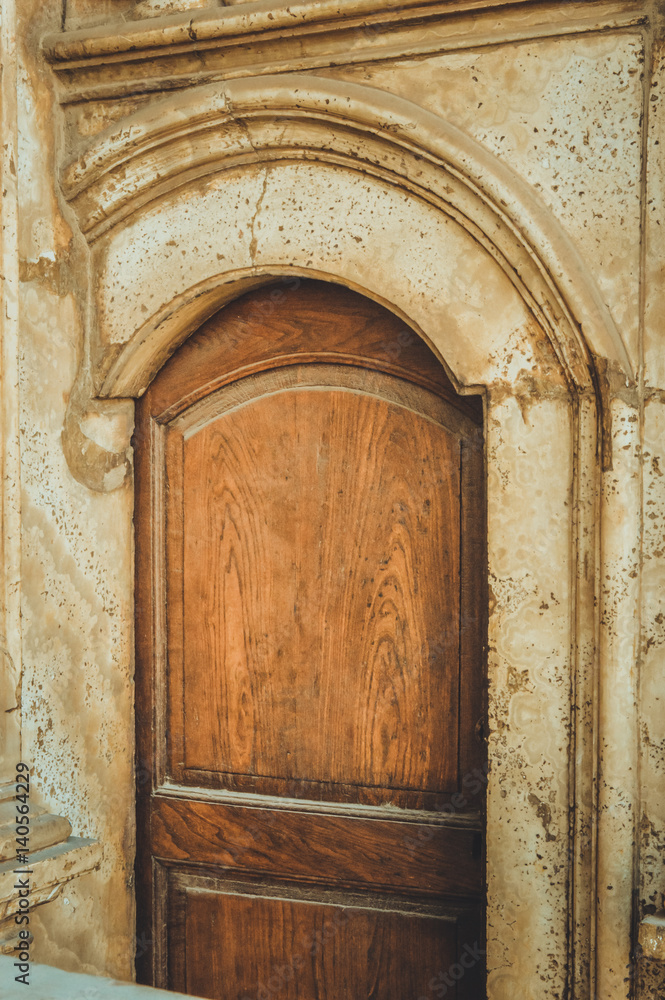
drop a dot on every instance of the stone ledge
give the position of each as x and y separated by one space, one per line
46 983
213 22
248 39
50 870
45 829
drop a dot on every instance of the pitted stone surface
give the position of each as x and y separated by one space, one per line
549 110
565 113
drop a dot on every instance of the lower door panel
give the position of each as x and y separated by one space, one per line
229 940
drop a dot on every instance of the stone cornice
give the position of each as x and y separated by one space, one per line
263 37
215 23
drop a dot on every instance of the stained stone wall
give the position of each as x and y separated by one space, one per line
511 208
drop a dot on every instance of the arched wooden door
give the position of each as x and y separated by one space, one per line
309 591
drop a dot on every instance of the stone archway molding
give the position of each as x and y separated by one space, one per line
201 131
204 194
184 141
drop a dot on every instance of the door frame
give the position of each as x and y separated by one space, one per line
430 212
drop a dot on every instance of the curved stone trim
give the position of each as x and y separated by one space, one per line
199 132
177 262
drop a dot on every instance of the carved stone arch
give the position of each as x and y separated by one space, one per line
200 134
142 177
207 193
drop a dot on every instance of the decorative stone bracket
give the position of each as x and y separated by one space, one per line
96 437
54 859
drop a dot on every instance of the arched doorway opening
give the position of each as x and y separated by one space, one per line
310 599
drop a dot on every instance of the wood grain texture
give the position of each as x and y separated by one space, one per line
293 321
301 950
425 860
310 597
321 593
145 706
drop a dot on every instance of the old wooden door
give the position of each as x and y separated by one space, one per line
309 593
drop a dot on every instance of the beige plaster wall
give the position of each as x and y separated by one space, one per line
76 572
567 115
10 655
651 978
652 688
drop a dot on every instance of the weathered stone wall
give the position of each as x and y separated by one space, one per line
76 561
568 97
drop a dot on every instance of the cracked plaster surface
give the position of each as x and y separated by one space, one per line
300 212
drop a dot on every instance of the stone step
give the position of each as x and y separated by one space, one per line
47 983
